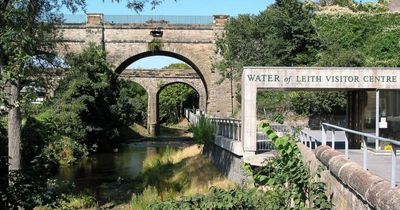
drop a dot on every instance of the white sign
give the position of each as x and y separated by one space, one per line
383 123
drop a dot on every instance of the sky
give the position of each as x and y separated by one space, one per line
182 7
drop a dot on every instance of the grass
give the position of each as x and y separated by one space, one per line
176 173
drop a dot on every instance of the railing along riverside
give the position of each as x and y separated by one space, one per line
231 129
226 127
365 136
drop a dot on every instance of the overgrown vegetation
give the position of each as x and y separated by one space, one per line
203 131
85 115
173 99
167 174
284 183
154 45
362 39
236 198
287 171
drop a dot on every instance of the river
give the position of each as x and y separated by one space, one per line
125 163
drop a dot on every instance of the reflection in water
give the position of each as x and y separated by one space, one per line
108 167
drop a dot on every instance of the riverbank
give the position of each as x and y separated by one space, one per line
167 174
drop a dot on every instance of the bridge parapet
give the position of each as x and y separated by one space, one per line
348 185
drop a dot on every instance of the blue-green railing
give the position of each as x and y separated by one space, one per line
170 19
126 19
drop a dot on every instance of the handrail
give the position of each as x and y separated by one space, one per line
227 127
307 137
362 134
365 136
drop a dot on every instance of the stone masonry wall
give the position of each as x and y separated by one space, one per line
226 162
348 185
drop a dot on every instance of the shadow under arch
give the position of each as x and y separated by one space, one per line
160 90
139 56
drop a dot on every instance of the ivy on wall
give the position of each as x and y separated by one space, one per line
368 39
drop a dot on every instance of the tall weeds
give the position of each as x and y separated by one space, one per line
203 131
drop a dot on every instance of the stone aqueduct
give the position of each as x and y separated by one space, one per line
127 43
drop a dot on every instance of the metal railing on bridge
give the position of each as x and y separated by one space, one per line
226 127
127 19
312 141
231 129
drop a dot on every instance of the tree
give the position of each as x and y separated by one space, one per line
173 99
182 66
28 30
282 35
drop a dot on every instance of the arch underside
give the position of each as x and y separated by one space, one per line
139 56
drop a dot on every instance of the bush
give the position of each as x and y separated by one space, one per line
277 117
237 198
288 172
65 150
203 131
143 201
314 103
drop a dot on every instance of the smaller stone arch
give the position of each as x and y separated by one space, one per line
200 92
153 83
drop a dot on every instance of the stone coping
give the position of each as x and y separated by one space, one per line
375 190
230 145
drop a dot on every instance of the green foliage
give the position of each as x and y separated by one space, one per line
132 103
142 201
363 39
277 117
338 56
81 201
371 7
236 198
87 106
154 45
203 131
321 102
173 99
282 35
65 150
31 189
288 172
